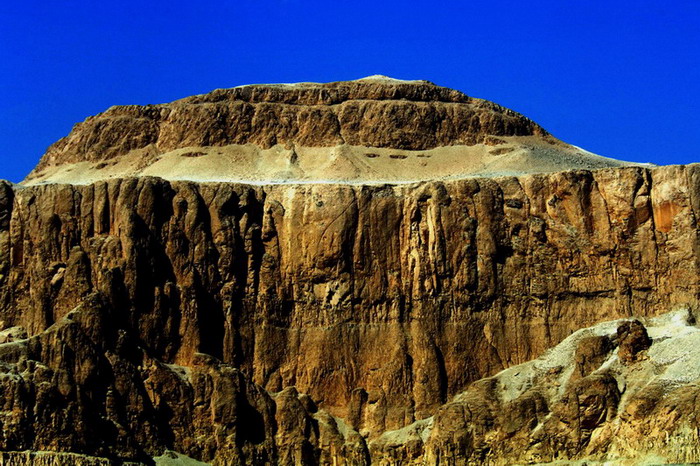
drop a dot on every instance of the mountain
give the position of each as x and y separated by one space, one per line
456 320
373 130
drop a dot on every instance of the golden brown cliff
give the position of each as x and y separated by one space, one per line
309 322
619 392
379 303
372 112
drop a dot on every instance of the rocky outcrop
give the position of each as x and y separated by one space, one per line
85 385
544 411
377 303
371 112
374 130
341 320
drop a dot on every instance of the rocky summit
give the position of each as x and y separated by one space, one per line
367 272
373 130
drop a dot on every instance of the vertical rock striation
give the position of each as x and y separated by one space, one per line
337 319
378 302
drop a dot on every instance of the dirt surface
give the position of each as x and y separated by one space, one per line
339 164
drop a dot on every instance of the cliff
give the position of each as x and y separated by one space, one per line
188 316
619 392
372 112
316 275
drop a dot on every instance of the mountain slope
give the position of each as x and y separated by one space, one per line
620 392
372 130
365 297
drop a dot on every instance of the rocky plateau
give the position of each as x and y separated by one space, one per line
366 272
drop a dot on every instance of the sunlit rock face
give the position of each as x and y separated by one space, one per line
308 322
373 130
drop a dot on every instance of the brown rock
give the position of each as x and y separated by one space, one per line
335 323
368 112
407 294
532 413
590 354
633 339
85 386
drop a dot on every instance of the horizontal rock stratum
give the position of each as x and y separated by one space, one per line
375 129
346 323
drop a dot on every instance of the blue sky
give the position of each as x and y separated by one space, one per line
621 79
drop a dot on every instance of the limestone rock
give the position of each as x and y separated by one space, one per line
345 323
373 113
372 130
633 339
381 303
86 386
545 411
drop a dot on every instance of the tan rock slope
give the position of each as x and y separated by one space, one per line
618 392
345 323
375 129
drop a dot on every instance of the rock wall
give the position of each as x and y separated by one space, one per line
86 386
615 393
379 302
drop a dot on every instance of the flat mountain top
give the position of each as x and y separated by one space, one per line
372 130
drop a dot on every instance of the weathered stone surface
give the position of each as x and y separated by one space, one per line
633 339
143 319
626 412
31 458
367 112
86 386
374 130
378 302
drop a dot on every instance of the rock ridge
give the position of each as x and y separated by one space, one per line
377 113
317 276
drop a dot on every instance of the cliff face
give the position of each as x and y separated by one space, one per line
178 315
340 319
619 392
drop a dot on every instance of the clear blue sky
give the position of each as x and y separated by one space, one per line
619 78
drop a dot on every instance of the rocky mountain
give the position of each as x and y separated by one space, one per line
308 322
373 130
